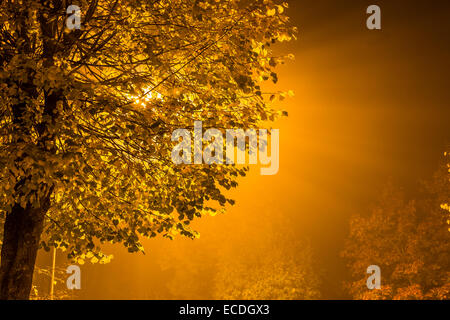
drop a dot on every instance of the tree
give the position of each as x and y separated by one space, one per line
264 258
279 270
86 117
407 240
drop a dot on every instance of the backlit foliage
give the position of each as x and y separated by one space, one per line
136 71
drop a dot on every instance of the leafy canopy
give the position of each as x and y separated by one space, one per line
407 239
133 73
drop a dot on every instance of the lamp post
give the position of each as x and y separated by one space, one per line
52 284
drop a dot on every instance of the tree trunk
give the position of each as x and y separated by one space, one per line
22 232
23 226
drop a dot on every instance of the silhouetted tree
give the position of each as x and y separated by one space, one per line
277 270
408 240
264 258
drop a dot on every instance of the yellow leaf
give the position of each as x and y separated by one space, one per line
271 12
